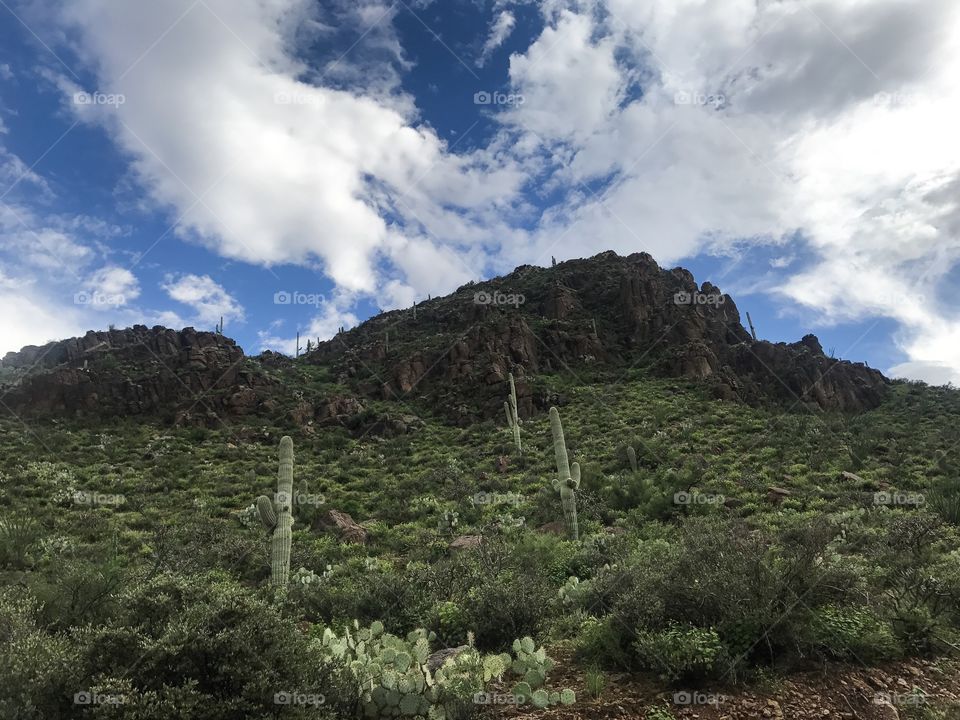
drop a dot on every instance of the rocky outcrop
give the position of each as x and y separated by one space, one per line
136 371
613 311
344 526
606 314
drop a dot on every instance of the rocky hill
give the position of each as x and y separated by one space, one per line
136 371
607 314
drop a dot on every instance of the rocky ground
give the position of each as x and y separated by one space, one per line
915 689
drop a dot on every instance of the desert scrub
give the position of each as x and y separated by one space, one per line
680 653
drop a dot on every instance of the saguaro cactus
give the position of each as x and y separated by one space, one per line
513 417
568 477
277 516
632 457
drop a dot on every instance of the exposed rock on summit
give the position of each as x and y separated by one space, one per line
135 371
601 317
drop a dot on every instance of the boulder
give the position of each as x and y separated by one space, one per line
343 525
466 542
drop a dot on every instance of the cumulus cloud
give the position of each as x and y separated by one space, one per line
208 300
333 314
109 287
570 80
273 169
831 118
672 126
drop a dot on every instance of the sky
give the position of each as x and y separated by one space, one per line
296 166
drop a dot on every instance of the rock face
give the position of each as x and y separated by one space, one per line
606 314
135 371
609 311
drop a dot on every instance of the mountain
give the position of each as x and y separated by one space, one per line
734 515
607 314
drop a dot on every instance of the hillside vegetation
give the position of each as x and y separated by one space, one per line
747 541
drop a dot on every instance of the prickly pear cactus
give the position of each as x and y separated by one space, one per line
513 417
568 480
393 677
448 521
277 516
532 664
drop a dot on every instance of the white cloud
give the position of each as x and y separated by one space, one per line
671 126
28 319
208 300
500 30
570 81
932 373
332 315
47 285
272 170
836 119
109 287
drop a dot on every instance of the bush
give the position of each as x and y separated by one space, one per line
503 607
208 640
852 634
19 539
37 668
603 642
680 653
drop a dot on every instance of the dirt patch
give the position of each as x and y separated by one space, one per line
836 691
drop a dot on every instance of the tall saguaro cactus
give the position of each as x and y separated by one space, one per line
568 477
513 417
277 516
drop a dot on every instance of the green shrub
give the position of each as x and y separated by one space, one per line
19 540
450 623
38 670
605 643
852 634
209 639
680 653
504 607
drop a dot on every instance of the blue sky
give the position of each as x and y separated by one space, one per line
177 161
